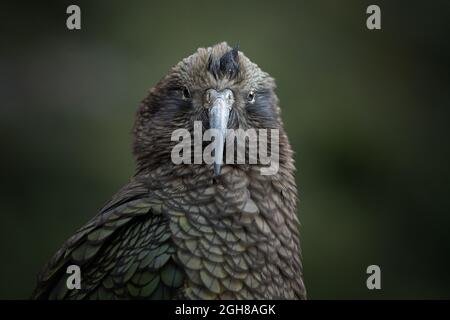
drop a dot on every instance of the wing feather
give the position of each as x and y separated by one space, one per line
124 252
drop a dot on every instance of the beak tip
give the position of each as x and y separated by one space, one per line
216 169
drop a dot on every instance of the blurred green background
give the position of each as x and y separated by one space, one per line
367 113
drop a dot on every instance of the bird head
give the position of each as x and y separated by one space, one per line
218 86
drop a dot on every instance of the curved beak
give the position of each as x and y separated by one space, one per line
220 105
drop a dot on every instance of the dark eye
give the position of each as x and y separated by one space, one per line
251 96
186 93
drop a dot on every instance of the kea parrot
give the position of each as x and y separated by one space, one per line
193 231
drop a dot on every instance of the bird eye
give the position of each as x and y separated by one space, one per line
186 93
251 96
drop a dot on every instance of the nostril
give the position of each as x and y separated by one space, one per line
208 96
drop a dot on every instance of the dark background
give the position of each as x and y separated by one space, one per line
367 113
